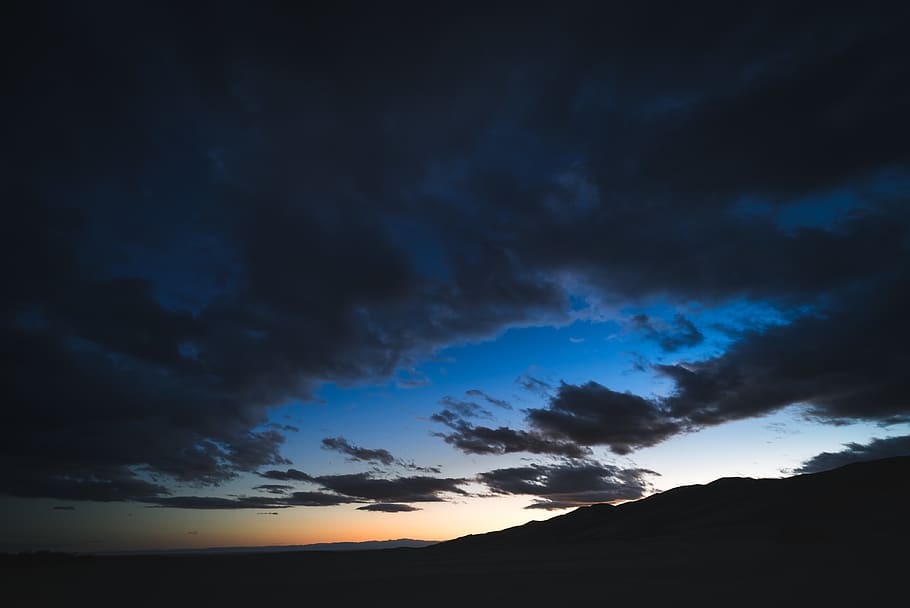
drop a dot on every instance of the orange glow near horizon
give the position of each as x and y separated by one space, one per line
125 526
435 521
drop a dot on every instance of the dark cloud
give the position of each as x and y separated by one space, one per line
681 333
112 415
569 484
472 439
387 507
722 255
340 444
197 235
103 485
592 414
289 475
857 452
826 94
170 329
253 450
846 362
64 508
401 489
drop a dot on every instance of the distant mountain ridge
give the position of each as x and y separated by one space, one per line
867 501
367 545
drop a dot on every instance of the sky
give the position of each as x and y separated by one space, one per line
277 275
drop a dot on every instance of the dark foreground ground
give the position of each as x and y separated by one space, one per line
646 573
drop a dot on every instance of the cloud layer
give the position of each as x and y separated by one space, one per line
195 235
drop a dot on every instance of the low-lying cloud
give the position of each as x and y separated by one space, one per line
857 452
569 484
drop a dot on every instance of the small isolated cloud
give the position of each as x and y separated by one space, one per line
387 507
680 333
340 444
638 362
274 488
491 400
63 508
534 385
856 452
376 456
464 409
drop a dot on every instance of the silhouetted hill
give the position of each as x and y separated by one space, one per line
868 501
